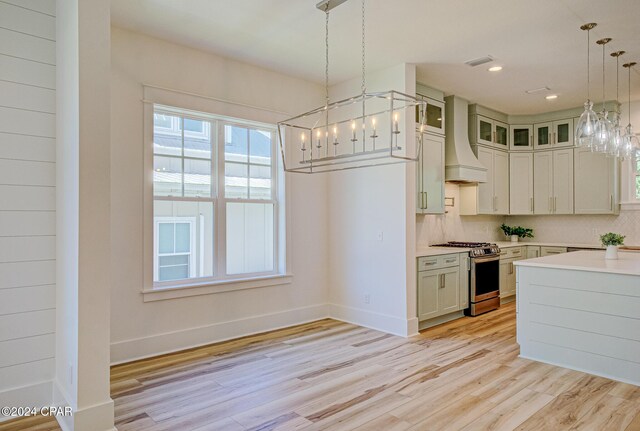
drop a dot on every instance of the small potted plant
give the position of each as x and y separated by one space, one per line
516 232
611 241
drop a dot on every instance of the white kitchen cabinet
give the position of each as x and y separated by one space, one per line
548 251
434 115
521 137
430 174
553 134
464 280
596 182
507 278
440 290
553 182
492 196
521 183
489 132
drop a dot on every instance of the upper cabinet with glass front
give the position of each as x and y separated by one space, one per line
521 137
487 131
434 120
553 134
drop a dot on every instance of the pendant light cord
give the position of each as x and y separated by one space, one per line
588 65
363 87
326 55
603 81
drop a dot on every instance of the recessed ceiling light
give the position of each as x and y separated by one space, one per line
551 96
495 68
538 90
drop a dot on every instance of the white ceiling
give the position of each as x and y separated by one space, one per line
539 43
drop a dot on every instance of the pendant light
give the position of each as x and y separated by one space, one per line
617 133
602 139
631 146
585 130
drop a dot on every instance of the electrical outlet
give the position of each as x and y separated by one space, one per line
594 232
367 298
380 236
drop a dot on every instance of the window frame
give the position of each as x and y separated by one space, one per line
156 232
631 201
220 281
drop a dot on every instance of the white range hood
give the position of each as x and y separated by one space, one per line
461 165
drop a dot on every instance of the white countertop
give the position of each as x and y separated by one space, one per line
593 261
437 251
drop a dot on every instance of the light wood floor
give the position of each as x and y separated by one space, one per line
329 376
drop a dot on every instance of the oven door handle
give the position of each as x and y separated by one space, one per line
483 259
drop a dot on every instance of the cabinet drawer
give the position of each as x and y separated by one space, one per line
513 252
546 251
434 262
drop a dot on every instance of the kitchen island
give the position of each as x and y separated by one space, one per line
580 311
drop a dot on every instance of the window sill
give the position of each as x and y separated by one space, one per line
160 294
630 206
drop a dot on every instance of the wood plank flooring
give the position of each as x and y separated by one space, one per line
333 376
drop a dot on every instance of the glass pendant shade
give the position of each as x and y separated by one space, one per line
617 136
630 144
586 128
603 132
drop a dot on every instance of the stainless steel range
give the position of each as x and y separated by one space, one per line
484 276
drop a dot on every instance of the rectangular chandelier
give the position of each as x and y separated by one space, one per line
361 131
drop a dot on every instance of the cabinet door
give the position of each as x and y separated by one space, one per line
563 181
433 174
542 136
521 137
501 182
505 264
521 183
449 292
563 133
435 116
501 135
543 182
533 251
485 190
484 130
595 182
428 294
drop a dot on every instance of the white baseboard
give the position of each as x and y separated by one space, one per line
98 417
370 319
158 344
35 395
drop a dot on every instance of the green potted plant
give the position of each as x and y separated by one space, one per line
611 241
516 232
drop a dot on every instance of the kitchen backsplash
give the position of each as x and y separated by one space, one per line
581 228
434 229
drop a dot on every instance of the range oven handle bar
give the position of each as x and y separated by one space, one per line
482 259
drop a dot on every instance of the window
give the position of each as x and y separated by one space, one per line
215 207
636 176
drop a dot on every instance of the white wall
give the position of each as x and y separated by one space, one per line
363 204
147 328
27 201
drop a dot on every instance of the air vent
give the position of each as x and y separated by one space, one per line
478 61
538 90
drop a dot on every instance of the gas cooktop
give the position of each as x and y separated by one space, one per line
463 244
477 248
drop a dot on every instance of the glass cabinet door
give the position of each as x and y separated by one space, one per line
542 135
435 116
485 130
563 133
522 137
502 134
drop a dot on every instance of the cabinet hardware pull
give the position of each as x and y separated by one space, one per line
555 204
531 204
550 204
426 200
510 267
450 260
554 138
495 140
430 263
611 201
440 281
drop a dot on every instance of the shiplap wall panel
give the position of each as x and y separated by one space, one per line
25 299
13 69
23 20
21 350
26 374
27 122
26 223
27 173
24 147
23 198
23 96
27 201
47 7
22 274
29 324
27 248
29 47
